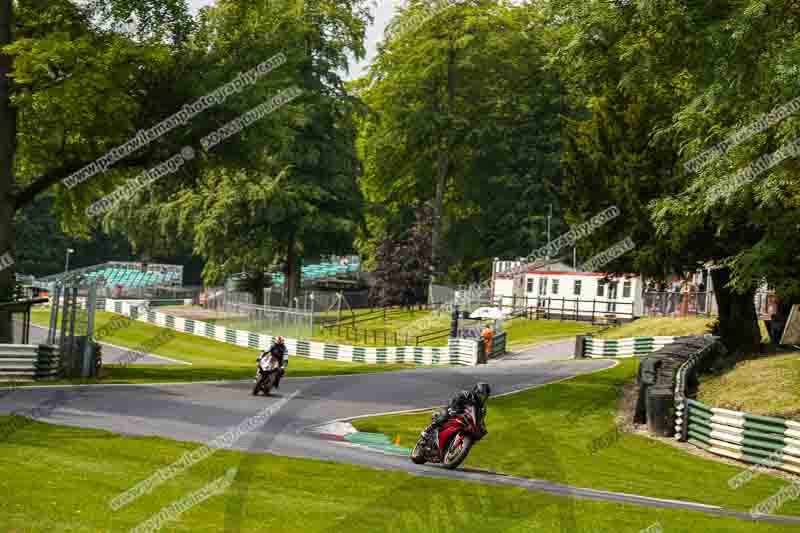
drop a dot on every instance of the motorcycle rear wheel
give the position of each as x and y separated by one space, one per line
456 455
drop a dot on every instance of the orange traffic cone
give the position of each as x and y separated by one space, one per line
397 440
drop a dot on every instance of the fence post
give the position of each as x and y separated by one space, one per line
580 344
593 306
684 436
562 309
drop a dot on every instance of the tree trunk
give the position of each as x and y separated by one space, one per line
443 168
292 277
8 131
258 287
738 323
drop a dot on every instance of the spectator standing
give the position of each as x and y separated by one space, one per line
686 297
487 335
672 296
701 297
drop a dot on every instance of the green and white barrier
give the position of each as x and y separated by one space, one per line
630 347
28 361
770 441
498 345
458 351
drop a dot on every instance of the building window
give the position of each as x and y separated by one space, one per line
600 288
530 285
542 286
555 286
626 289
576 289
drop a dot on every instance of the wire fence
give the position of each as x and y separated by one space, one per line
679 304
288 321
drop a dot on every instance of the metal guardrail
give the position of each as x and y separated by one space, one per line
628 347
763 440
29 361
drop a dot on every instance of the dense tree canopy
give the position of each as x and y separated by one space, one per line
488 111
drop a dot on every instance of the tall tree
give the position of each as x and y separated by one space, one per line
462 113
651 89
66 73
287 185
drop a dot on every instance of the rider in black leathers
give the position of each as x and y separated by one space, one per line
476 397
277 350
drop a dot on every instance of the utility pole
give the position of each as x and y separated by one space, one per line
549 216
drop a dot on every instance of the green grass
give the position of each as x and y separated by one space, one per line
299 330
658 327
210 359
59 479
546 433
522 332
665 326
767 384
406 324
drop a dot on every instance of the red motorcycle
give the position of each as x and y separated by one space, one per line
451 443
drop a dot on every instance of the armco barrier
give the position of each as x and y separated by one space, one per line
498 345
762 440
773 442
458 351
29 361
630 347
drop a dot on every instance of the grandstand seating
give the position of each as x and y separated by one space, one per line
131 279
318 271
114 276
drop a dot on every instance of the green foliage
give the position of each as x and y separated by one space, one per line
404 263
286 186
444 96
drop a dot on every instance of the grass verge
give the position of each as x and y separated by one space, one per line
550 432
657 327
766 384
210 359
523 332
56 478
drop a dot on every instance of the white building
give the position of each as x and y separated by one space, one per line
555 289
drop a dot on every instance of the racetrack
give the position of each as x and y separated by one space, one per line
201 412
112 354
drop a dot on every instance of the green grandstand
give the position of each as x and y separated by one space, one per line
125 275
319 271
139 275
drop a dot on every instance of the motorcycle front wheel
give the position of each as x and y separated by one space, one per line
418 453
269 382
457 450
259 384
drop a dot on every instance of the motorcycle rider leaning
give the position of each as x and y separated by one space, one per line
277 350
476 398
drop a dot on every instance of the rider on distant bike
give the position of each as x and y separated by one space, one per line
476 398
278 351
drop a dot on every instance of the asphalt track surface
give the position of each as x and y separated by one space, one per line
201 412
